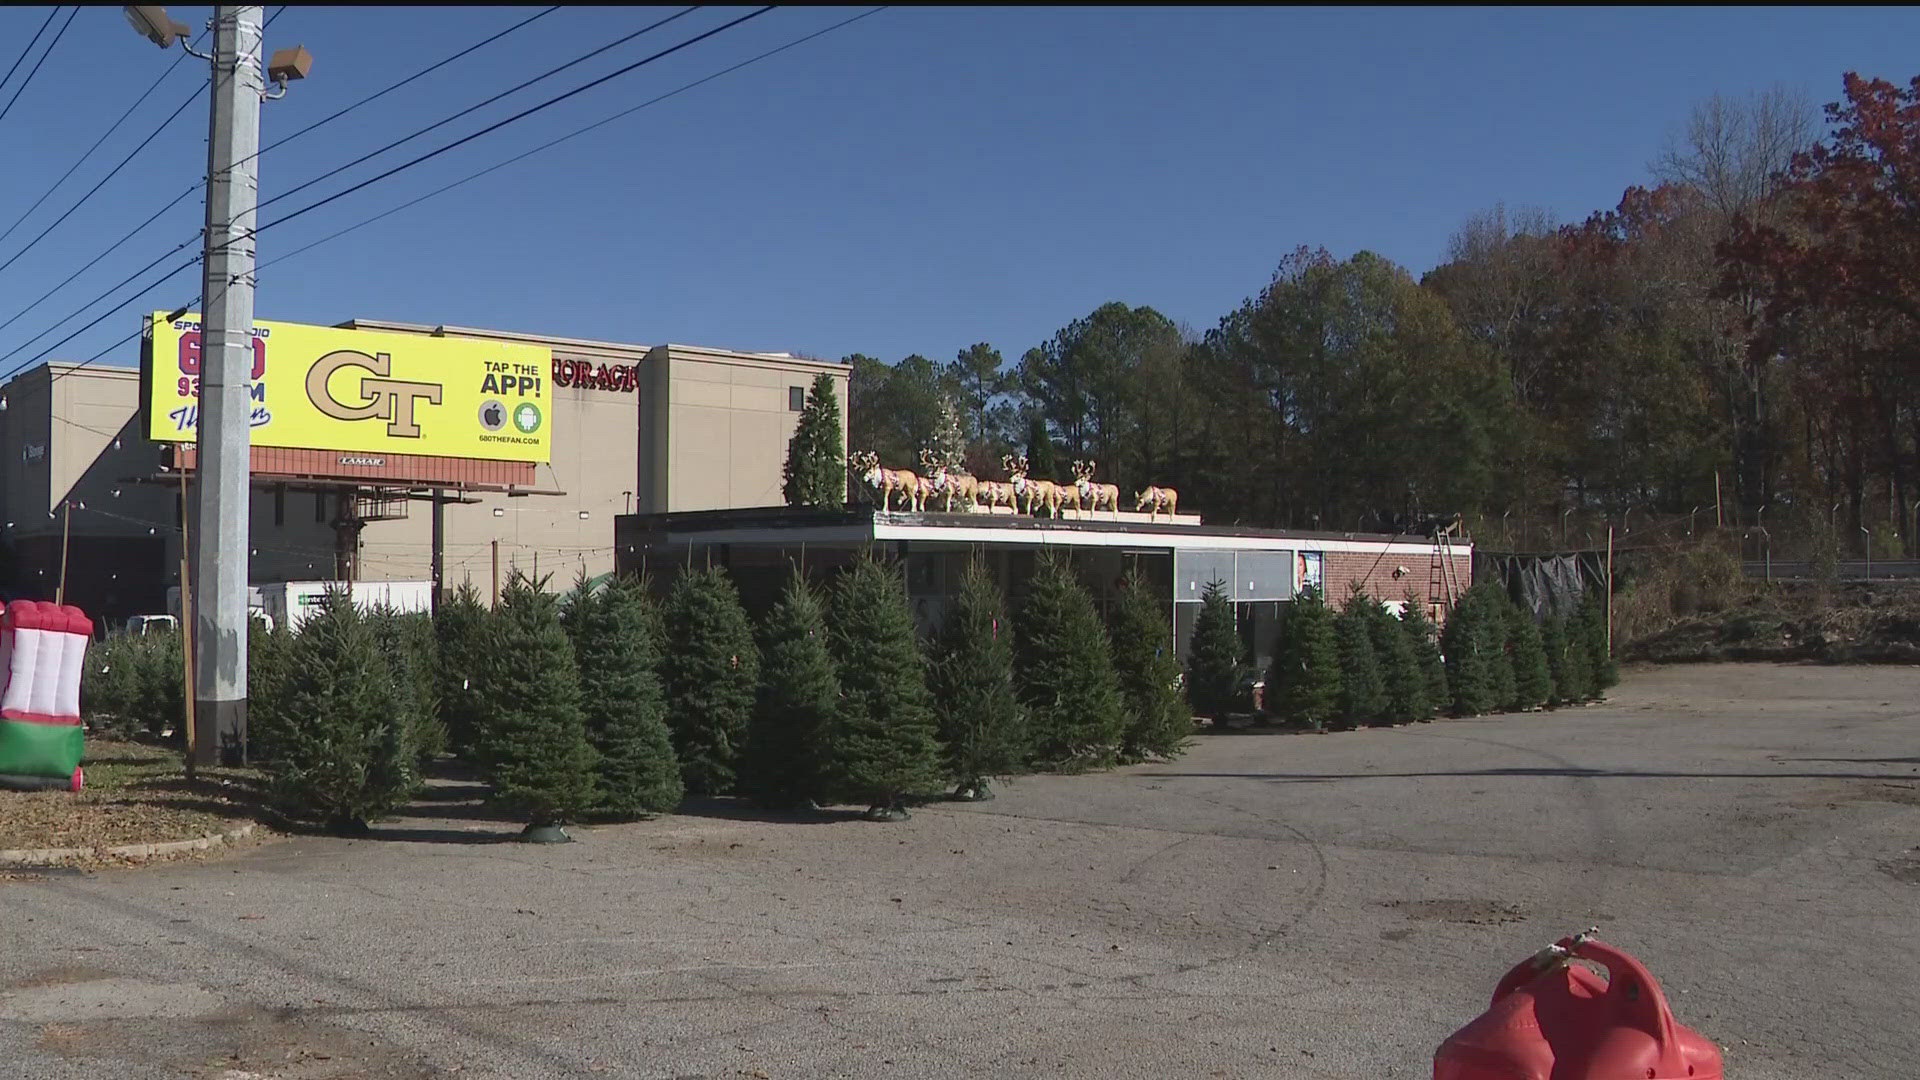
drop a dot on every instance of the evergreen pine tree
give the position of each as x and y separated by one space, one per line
343 752
461 630
949 441
1304 684
815 473
1066 674
1040 460
1499 629
1363 690
534 735
1216 659
407 640
1425 638
983 725
1567 673
711 672
1532 679
621 702
782 764
1406 684
1604 674
267 671
1474 635
885 745
1159 722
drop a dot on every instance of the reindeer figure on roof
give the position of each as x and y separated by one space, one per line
1094 496
1157 500
866 464
1031 495
949 480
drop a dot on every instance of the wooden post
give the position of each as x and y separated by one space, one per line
1609 590
186 622
1719 520
66 529
495 602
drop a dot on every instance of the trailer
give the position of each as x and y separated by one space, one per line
292 603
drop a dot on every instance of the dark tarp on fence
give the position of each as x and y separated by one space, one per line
1545 585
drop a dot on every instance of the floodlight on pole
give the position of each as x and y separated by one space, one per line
152 22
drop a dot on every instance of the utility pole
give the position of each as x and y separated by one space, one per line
223 481
224 477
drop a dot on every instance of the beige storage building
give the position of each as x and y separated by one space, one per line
636 429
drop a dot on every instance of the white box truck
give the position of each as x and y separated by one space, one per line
292 603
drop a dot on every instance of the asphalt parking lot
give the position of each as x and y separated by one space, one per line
1270 905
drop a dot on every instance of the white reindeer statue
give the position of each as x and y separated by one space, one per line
887 481
1034 494
1094 496
1157 500
950 482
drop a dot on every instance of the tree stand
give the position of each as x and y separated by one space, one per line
972 791
545 834
886 812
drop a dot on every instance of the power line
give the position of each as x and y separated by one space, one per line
474 108
475 47
62 32
115 171
51 14
76 312
96 144
523 114
577 132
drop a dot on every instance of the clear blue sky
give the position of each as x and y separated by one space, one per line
915 182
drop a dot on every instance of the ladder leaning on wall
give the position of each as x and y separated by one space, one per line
1443 578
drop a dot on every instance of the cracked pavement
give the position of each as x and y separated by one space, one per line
1269 905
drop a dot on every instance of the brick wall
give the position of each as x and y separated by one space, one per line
1375 573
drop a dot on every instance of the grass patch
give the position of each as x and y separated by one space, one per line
135 794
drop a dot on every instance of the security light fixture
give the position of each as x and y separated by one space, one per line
498 512
152 22
583 515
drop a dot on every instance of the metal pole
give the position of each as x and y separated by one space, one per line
1609 590
186 623
226 334
439 545
66 530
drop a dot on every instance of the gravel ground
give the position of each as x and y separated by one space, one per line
1270 905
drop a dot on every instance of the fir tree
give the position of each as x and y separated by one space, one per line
1603 673
884 744
1363 690
1040 461
267 670
1406 684
815 473
949 441
1304 684
1216 659
983 725
1425 639
342 750
407 639
1159 722
1473 641
1499 627
711 672
461 631
781 764
1563 665
1066 674
534 734
1532 679
621 702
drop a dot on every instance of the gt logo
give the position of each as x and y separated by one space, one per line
392 400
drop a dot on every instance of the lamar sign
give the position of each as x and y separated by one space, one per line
366 392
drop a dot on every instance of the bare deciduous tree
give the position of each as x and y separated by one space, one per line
1731 149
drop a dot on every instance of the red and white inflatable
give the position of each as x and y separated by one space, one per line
42 649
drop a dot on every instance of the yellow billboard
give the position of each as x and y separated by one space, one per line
323 388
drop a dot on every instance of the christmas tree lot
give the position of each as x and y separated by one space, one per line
1158 721
784 764
534 734
983 725
1216 658
1363 689
711 671
884 746
1066 674
614 631
1304 684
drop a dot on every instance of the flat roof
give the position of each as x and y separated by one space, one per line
857 525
